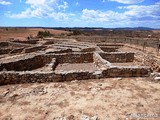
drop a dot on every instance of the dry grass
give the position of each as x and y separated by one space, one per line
23 33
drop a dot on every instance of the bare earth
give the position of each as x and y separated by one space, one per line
107 99
77 67
23 33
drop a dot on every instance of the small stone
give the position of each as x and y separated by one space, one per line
84 117
152 74
89 87
74 81
94 118
157 78
5 93
99 84
71 117
119 78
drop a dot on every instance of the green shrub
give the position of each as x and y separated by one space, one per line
42 34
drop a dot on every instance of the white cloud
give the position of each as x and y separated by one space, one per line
102 16
28 13
133 14
63 6
128 1
43 8
2 2
143 11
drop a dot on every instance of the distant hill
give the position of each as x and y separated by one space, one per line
101 28
91 28
135 28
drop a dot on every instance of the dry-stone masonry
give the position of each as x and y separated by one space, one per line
37 61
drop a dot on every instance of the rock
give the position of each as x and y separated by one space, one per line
157 78
153 74
94 118
90 87
60 118
84 117
74 81
5 93
71 117
119 78
99 84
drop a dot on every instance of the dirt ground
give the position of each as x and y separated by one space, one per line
77 67
23 33
105 99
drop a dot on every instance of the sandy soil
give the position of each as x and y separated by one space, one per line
134 63
23 33
77 67
107 99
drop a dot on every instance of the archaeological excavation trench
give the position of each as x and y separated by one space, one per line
58 61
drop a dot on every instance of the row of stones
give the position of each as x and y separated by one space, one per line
32 77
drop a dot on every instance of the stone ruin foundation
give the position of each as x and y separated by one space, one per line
58 61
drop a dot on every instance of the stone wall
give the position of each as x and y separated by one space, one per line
3 44
18 45
25 64
88 49
26 42
34 49
27 77
109 49
110 44
73 57
130 71
5 51
15 51
118 57
152 61
100 62
41 77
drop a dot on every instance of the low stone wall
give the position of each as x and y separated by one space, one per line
5 51
49 42
27 77
88 49
3 44
73 57
100 62
18 45
25 64
32 77
34 49
41 77
18 50
118 57
24 68
59 51
109 49
131 71
110 44
152 61
26 42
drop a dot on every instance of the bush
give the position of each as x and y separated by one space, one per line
42 34
76 32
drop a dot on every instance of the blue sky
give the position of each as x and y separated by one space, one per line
80 13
